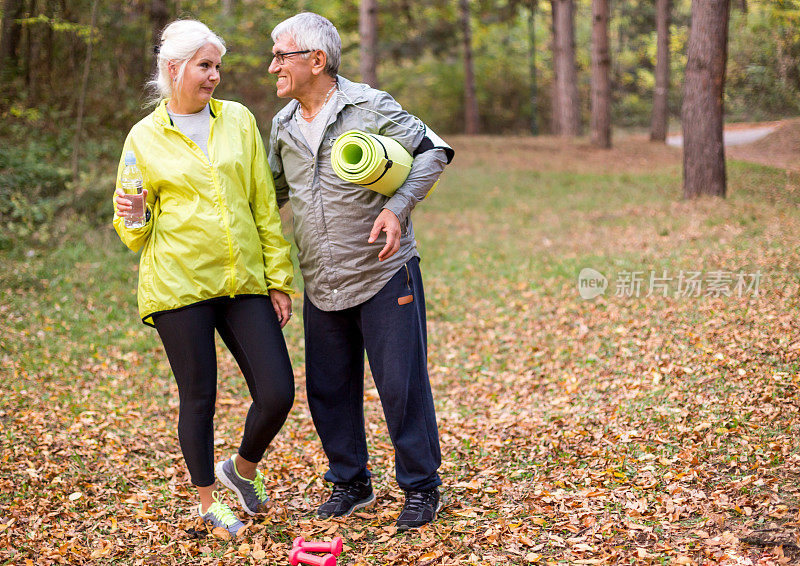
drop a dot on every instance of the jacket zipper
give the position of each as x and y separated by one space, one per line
224 212
221 204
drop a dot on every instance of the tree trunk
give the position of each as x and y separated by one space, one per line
70 66
28 34
32 67
660 116
47 46
532 43
159 18
601 82
82 97
471 116
566 109
9 31
702 113
368 29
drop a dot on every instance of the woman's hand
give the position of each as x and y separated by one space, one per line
122 202
282 303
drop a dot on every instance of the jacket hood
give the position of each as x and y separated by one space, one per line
161 116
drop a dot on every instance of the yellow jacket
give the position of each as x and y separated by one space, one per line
214 227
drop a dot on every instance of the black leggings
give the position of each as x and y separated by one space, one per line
250 330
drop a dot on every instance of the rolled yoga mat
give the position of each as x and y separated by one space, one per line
372 161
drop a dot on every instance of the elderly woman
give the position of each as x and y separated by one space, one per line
213 258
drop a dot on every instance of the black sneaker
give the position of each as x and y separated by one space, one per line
346 498
419 509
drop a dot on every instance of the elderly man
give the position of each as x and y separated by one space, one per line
360 265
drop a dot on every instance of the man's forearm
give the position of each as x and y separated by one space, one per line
425 171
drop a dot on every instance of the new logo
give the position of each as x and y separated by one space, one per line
591 283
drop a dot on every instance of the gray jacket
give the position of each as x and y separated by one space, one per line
333 218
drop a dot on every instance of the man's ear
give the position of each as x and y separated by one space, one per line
320 60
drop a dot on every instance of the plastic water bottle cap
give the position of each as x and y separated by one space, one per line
130 158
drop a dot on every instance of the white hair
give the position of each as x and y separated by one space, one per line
312 31
180 40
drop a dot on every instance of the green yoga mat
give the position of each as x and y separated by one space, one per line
372 161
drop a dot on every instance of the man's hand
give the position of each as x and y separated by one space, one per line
389 223
282 303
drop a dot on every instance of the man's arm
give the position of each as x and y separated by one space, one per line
425 171
276 166
430 152
278 270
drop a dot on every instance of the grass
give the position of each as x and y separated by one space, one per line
622 426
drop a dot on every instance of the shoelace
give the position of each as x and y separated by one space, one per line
221 511
258 485
342 491
416 500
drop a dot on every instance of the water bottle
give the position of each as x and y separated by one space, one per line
132 183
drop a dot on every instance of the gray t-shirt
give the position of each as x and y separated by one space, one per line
314 129
196 126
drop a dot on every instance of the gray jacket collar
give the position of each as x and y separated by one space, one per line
349 92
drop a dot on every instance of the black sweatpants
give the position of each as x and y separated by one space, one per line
391 327
249 327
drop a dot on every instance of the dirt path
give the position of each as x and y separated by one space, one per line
780 148
776 144
736 134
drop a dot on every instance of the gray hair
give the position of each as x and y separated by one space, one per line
180 40
312 31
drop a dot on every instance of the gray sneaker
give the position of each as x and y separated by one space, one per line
220 515
252 494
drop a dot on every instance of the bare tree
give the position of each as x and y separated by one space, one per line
532 42
660 116
159 17
601 82
471 116
48 44
10 31
368 29
702 113
33 56
76 144
566 108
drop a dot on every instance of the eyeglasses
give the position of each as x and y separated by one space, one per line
281 56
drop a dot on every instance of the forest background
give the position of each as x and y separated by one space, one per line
51 85
639 427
